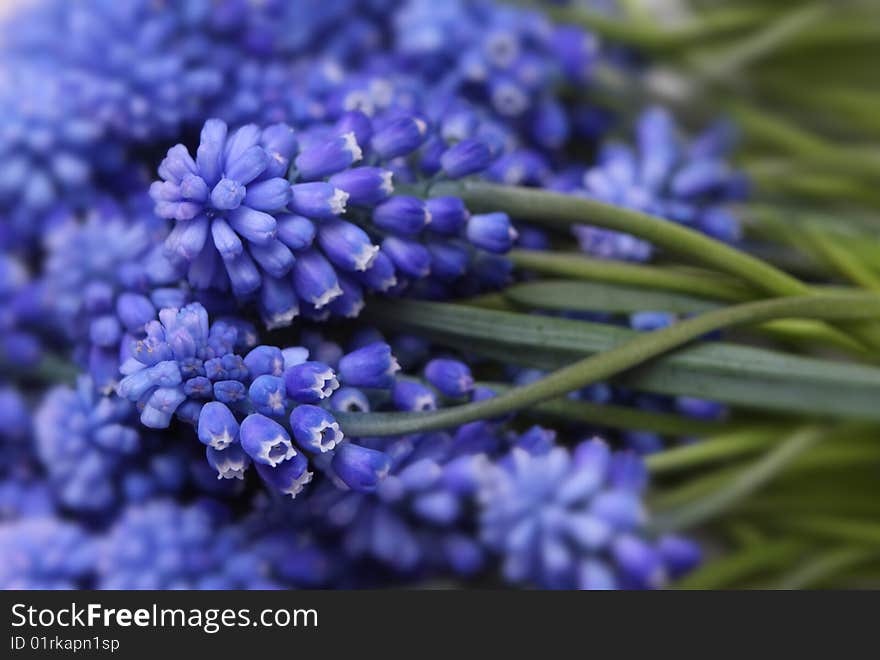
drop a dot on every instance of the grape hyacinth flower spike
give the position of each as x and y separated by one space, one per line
575 519
269 407
317 245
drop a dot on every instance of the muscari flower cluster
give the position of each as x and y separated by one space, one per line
16 446
415 517
574 519
662 176
506 59
308 247
163 545
125 74
106 276
95 455
257 406
20 314
44 553
52 152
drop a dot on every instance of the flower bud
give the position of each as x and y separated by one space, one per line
314 428
218 427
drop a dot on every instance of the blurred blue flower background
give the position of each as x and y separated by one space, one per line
282 284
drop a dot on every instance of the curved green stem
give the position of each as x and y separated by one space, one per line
707 284
741 486
545 206
753 560
824 566
716 448
840 259
779 178
620 358
789 24
619 417
833 527
647 36
576 295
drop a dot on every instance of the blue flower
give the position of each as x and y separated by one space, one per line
179 351
218 427
399 137
94 455
413 396
221 200
372 366
315 428
162 545
52 150
347 246
20 315
82 440
288 477
664 177
189 368
267 394
492 232
45 553
365 186
571 519
409 257
452 377
326 158
402 215
106 277
310 382
231 462
507 58
360 468
448 215
408 504
265 440
309 247
467 157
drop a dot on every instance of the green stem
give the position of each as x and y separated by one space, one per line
695 488
542 206
777 503
839 455
744 484
782 224
713 449
719 65
779 133
574 296
833 527
551 207
712 26
707 284
852 109
812 334
619 358
824 566
743 564
800 179
619 417
841 259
